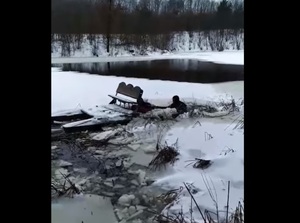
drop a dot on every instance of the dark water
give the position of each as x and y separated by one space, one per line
182 70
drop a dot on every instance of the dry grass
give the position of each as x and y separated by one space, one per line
200 163
207 216
166 155
62 189
240 124
238 215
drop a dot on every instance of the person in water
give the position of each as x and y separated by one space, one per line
178 105
142 106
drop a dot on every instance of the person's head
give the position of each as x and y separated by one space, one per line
175 99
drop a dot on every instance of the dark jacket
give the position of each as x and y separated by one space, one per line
179 106
142 106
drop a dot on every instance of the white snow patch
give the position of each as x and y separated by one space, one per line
226 57
105 135
62 163
54 147
194 143
126 199
70 89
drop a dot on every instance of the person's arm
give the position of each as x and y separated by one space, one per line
172 106
160 107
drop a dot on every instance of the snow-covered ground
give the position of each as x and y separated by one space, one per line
228 57
159 45
226 152
70 89
225 149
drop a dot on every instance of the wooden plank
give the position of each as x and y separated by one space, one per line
122 99
95 124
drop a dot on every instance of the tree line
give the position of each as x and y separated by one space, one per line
145 17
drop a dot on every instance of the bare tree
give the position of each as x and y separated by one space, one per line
143 22
157 5
109 21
